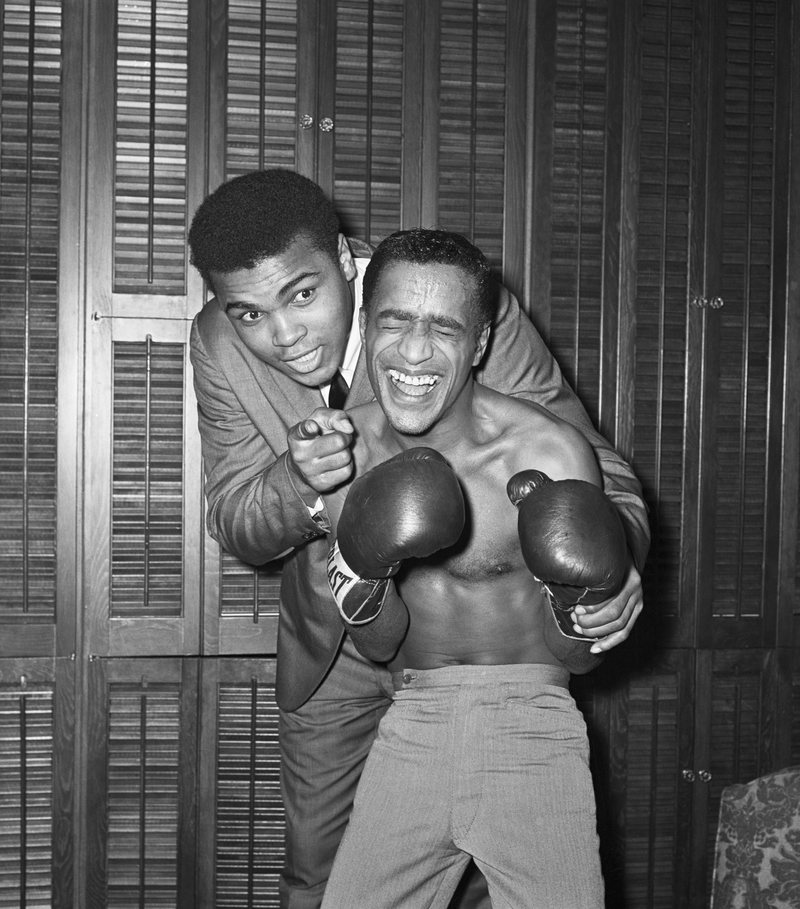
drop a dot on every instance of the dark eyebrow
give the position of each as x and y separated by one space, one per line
403 315
283 292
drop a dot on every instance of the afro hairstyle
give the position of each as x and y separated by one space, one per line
258 215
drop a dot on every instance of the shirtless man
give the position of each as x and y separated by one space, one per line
483 752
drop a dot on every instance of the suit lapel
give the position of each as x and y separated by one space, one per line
360 388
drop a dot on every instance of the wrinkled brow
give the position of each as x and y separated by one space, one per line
403 315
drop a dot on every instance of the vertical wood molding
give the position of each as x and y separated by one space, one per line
71 277
414 75
515 186
325 93
617 425
541 209
786 363
432 30
308 40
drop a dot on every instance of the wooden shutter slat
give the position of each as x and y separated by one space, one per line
368 120
147 480
150 148
261 85
29 210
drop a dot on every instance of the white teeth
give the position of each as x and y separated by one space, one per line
401 377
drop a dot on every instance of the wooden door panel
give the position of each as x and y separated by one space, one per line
743 323
241 825
735 737
261 114
37 740
367 132
143 501
30 138
639 719
141 783
666 379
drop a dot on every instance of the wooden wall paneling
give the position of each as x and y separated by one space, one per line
616 406
327 24
651 798
141 799
790 659
420 114
71 276
36 749
539 278
669 331
516 179
783 433
246 612
744 278
65 788
789 601
241 815
142 492
261 114
30 162
217 101
472 127
368 103
580 116
308 76
734 742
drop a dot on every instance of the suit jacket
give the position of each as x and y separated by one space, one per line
245 411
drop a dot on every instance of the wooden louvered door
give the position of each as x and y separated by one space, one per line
37 491
142 483
662 256
29 211
714 185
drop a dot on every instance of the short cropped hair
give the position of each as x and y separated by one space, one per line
258 215
426 246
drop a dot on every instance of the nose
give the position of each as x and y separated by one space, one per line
286 331
415 346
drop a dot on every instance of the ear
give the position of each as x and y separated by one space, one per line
362 323
346 262
480 348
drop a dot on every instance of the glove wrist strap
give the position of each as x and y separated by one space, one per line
360 600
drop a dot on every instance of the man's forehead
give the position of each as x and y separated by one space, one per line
424 289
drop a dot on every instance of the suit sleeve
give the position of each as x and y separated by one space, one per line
254 508
519 363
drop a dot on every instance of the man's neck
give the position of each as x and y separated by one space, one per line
453 430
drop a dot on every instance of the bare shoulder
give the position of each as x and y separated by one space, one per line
539 440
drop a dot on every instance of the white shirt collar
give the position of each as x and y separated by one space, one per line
353 349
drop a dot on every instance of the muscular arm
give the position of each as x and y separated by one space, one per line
519 363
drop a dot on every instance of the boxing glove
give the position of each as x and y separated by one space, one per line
407 507
572 541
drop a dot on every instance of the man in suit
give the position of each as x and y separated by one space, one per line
268 353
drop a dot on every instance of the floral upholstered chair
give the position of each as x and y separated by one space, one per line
757 862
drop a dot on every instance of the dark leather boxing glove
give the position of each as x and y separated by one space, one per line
408 507
572 541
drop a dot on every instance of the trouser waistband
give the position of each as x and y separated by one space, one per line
472 674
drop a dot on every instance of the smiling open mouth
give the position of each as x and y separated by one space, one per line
417 386
305 362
